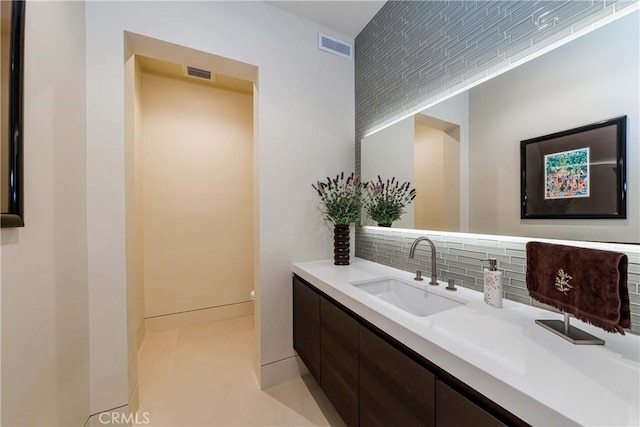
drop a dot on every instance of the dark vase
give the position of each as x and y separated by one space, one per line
384 225
341 245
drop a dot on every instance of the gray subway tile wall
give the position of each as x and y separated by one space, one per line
460 258
415 52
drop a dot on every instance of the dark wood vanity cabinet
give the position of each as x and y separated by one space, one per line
373 380
306 325
455 410
339 360
394 390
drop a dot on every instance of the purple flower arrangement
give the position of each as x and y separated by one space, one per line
344 197
340 198
384 201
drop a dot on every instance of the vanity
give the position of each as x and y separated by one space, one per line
388 350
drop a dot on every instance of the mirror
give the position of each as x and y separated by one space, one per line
463 154
11 201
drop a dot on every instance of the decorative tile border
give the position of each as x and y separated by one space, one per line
460 257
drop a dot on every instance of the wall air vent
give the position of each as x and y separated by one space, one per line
197 72
335 46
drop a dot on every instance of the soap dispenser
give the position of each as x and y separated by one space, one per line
492 285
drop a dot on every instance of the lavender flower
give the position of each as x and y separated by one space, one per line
384 201
340 198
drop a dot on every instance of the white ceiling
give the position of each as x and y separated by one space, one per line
345 17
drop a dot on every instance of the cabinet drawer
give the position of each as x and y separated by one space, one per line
394 389
306 326
455 410
339 360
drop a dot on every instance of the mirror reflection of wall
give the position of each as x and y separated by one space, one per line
428 149
590 79
5 20
436 174
390 153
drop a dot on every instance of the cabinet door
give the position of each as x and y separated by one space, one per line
394 389
455 410
339 360
306 325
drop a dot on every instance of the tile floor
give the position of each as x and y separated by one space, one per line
204 376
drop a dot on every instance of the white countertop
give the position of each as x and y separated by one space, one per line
538 376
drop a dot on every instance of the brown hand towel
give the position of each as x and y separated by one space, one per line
590 284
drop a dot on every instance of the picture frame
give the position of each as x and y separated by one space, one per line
11 167
578 173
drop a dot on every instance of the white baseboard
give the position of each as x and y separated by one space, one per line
125 415
190 318
283 370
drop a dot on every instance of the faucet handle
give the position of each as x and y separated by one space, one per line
451 285
418 275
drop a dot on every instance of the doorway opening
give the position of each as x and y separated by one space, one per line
191 198
195 184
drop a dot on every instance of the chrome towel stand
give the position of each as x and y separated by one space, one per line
568 332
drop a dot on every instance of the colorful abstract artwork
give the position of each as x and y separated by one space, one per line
577 173
566 174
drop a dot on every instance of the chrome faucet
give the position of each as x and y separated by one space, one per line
412 252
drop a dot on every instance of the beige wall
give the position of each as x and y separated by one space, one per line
429 167
451 180
138 180
44 290
198 196
437 179
134 244
134 205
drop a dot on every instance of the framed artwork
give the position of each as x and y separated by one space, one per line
577 173
11 61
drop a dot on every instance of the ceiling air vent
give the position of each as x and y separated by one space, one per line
197 72
335 46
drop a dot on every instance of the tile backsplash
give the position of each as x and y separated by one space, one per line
460 257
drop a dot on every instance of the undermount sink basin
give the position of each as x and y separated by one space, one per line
408 297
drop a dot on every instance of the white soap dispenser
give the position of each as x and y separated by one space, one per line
493 285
